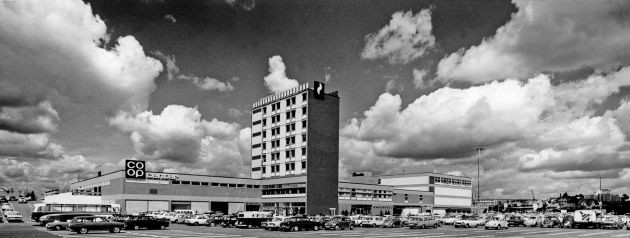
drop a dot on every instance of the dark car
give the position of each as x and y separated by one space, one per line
215 220
228 221
551 222
516 221
299 223
84 224
149 222
391 222
62 217
59 221
339 223
321 220
3 199
12 198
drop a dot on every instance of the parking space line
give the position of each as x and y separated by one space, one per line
563 233
593 234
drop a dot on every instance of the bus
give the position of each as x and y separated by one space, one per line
41 209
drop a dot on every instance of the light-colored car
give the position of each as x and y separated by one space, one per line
612 222
6 207
373 221
496 222
274 224
424 222
467 221
358 221
13 216
532 221
447 220
178 218
196 220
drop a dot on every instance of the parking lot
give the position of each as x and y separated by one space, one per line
181 231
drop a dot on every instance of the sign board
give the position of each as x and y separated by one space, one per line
319 90
162 176
135 169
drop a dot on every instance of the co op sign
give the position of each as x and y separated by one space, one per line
135 169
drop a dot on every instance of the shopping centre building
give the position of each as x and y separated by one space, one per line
294 170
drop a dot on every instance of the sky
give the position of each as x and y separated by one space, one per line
543 86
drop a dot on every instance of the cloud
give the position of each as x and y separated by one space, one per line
170 18
393 87
49 174
179 135
203 83
419 76
246 5
277 80
622 115
406 38
40 118
546 36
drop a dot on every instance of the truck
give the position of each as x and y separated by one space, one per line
585 219
252 219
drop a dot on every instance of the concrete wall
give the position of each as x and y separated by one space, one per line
322 154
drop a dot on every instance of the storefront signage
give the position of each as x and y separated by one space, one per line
104 183
135 169
162 176
382 206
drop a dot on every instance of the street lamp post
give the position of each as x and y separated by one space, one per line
479 149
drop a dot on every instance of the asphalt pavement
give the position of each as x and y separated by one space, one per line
181 231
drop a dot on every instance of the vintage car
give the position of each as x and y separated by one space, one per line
516 221
228 221
532 221
179 218
215 220
60 221
424 222
84 224
13 216
148 222
497 222
44 220
372 221
551 221
252 219
392 222
321 219
299 223
22 200
567 221
359 220
467 221
339 223
447 220
274 223
612 222
196 220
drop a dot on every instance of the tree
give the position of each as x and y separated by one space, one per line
625 197
565 195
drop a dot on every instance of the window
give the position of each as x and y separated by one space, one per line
264 146
303 150
287 167
292 166
255 157
406 197
289 140
290 114
196 183
264 170
214 184
264 134
264 109
186 182
275 143
303 96
256 122
175 182
290 127
304 124
303 110
289 153
255 145
303 164
256 134
204 183
153 191
303 137
264 122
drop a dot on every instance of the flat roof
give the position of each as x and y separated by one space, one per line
203 175
421 173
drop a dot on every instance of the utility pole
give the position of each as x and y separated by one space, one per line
479 149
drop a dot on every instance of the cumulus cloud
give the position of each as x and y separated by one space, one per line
40 118
406 38
419 76
277 80
546 36
203 83
179 134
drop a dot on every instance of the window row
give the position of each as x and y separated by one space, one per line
276 106
228 185
453 181
276 168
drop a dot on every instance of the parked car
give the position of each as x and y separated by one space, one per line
466 221
252 219
178 218
551 221
12 198
612 222
196 220
321 220
392 222
447 220
215 220
60 221
274 223
532 221
516 221
6 207
373 221
424 222
567 221
3 199
228 221
137 222
13 216
359 220
339 223
22 200
497 222
299 223
84 224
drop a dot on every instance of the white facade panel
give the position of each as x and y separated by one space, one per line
416 188
257 116
444 201
256 140
256 163
257 128
461 192
158 205
135 206
199 206
406 180
257 151
256 174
